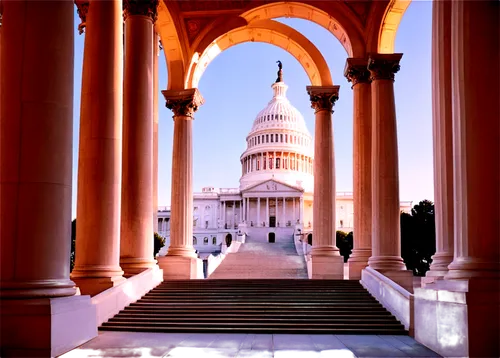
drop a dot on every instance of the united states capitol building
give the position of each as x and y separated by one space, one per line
275 197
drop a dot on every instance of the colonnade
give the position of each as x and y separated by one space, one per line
281 217
277 160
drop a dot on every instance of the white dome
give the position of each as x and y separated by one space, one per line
280 113
279 145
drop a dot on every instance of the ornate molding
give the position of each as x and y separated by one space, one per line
82 7
183 102
356 71
147 8
323 97
383 66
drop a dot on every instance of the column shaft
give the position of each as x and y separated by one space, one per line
326 260
36 149
258 212
97 263
386 242
136 251
442 139
156 53
357 73
476 147
267 211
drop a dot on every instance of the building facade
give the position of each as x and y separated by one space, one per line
274 200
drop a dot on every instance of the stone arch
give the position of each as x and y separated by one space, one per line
389 26
310 239
344 27
267 31
175 54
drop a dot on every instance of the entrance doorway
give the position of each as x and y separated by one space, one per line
229 239
310 239
272 237
272 221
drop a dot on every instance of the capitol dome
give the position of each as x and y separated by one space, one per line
279 145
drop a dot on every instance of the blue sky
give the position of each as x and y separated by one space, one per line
237 85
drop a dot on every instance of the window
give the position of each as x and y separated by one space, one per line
214 241
341 223
205 241
272 138
276 137
258 139
281 138
195 240
277 163
267 138
286 138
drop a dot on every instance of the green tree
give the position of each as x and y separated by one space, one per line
159 242
344 242
73 245
418 237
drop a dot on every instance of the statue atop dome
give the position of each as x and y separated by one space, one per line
280 72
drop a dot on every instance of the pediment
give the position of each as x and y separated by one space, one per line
272 185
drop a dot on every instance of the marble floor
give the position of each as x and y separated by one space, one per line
201 345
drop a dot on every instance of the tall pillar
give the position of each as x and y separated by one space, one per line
97 262
442 139
466 36
248 207
233 219
156 54
294 212
244 210
36 127
476 148
357 73
301 210
325 256
181 261
267 211
386 242
258 212
136 250
223 214
284 211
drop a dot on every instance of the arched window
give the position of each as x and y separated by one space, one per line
195 240
205 241
214 241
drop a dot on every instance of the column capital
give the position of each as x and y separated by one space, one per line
147 8
183 102
383 66
82 8
356 71
323 97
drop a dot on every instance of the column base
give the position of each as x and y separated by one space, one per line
182 251
403 278
386 263
464 268
327 267
45 327
457 318
95 285
133 266
438 269
357 262
180 268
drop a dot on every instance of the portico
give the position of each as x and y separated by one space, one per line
117 165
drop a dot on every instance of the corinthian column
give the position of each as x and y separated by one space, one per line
326 260
386 247
97 264
357 73
136 251
181 260
442 139
156 49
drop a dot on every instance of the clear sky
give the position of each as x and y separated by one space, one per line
237 85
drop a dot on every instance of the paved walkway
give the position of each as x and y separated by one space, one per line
262 260
199 345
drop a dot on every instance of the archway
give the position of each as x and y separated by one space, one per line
229 240
310 239
271 237
266 31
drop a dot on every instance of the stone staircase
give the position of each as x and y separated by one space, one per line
257 306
